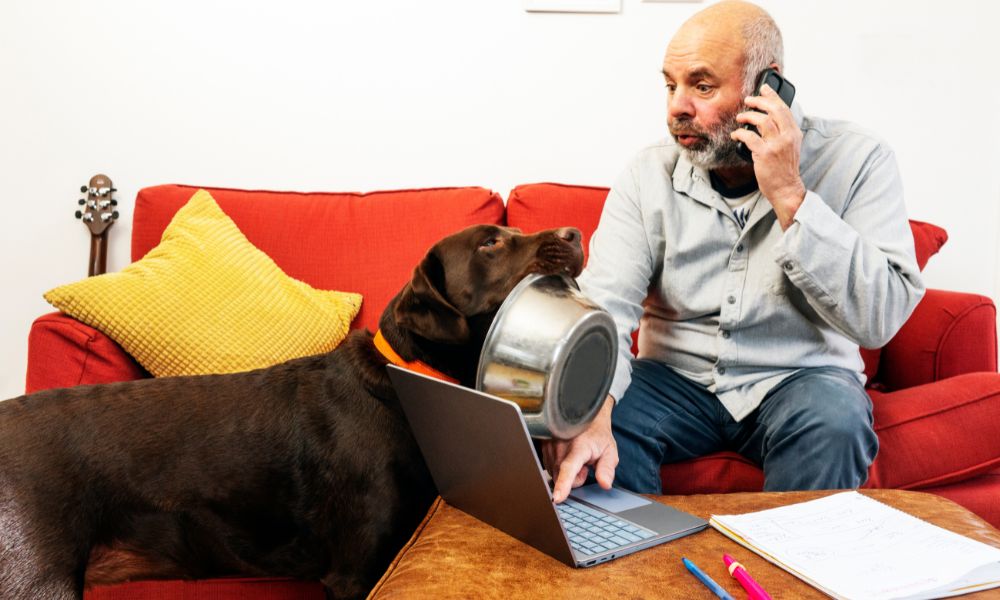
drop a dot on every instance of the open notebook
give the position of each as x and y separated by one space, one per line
850 546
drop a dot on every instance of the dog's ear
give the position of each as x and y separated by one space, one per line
423 308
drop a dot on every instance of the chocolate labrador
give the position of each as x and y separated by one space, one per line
306 469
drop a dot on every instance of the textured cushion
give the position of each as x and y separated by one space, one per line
363 242
205 300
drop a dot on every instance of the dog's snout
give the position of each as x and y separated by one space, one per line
570 234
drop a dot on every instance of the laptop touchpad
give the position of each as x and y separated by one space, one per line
613 500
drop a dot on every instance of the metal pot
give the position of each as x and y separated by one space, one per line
551 351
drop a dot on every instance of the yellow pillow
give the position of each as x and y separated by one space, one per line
205 300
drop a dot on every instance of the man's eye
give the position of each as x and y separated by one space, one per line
671 87
704 89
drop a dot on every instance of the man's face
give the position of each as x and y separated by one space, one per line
703 70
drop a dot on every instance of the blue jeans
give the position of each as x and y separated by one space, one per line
812 431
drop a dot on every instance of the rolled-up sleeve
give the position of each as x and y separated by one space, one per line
858 269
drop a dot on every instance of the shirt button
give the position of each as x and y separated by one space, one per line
731 299
725 334
739 248
721 370
788 265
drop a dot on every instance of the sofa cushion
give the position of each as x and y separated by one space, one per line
367 243
938 433
536 206
206 301
980 494
711 474
539 206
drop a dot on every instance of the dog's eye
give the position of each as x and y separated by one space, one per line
490 243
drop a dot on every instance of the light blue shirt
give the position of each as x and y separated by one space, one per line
739 309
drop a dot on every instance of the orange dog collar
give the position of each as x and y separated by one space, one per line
417 366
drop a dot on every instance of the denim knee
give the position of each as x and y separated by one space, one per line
819 432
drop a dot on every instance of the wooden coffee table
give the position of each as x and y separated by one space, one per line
453 555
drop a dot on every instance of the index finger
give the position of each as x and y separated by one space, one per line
574 461
771 103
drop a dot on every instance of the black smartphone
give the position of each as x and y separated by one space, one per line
785 90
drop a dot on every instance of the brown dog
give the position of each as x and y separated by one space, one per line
306 469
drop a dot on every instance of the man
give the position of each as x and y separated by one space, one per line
755 282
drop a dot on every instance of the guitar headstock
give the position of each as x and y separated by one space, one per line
98 211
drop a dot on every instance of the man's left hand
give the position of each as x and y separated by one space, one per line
776 151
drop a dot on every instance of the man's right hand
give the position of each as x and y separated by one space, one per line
567 460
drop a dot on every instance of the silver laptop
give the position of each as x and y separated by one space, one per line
482 460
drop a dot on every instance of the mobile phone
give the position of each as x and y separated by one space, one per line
785 91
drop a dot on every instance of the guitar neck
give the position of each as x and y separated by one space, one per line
98 254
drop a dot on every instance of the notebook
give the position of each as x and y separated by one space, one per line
851 546
482 460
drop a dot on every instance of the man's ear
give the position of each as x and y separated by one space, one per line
423 308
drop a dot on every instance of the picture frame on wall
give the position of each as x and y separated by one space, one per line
580 6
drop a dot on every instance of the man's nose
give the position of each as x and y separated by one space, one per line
679 105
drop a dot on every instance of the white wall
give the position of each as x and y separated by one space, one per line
375 94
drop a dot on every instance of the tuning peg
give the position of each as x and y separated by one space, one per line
114 202
89 217
79 214
113 190
81 201
114 215
83 189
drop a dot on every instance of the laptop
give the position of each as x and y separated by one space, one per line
483 462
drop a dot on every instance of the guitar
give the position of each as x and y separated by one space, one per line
98 215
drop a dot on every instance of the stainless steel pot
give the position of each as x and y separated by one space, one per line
551 351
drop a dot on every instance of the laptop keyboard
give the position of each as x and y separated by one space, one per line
592 532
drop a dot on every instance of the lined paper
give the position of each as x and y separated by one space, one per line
853 547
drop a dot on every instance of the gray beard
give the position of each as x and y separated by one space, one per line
720 149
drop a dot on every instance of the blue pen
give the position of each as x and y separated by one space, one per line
711 585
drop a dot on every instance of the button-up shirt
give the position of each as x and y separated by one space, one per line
738 309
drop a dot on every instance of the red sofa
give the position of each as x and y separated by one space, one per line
935 386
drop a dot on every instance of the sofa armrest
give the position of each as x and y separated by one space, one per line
949 333
63 352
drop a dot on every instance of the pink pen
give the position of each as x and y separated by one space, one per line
754 591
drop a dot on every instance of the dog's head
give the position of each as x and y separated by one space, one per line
463 280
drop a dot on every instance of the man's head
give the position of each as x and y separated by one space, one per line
711 65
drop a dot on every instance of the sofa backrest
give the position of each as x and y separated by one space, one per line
367 243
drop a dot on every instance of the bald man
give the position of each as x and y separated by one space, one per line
755 282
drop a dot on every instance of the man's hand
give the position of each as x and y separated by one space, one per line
567 461
776 151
